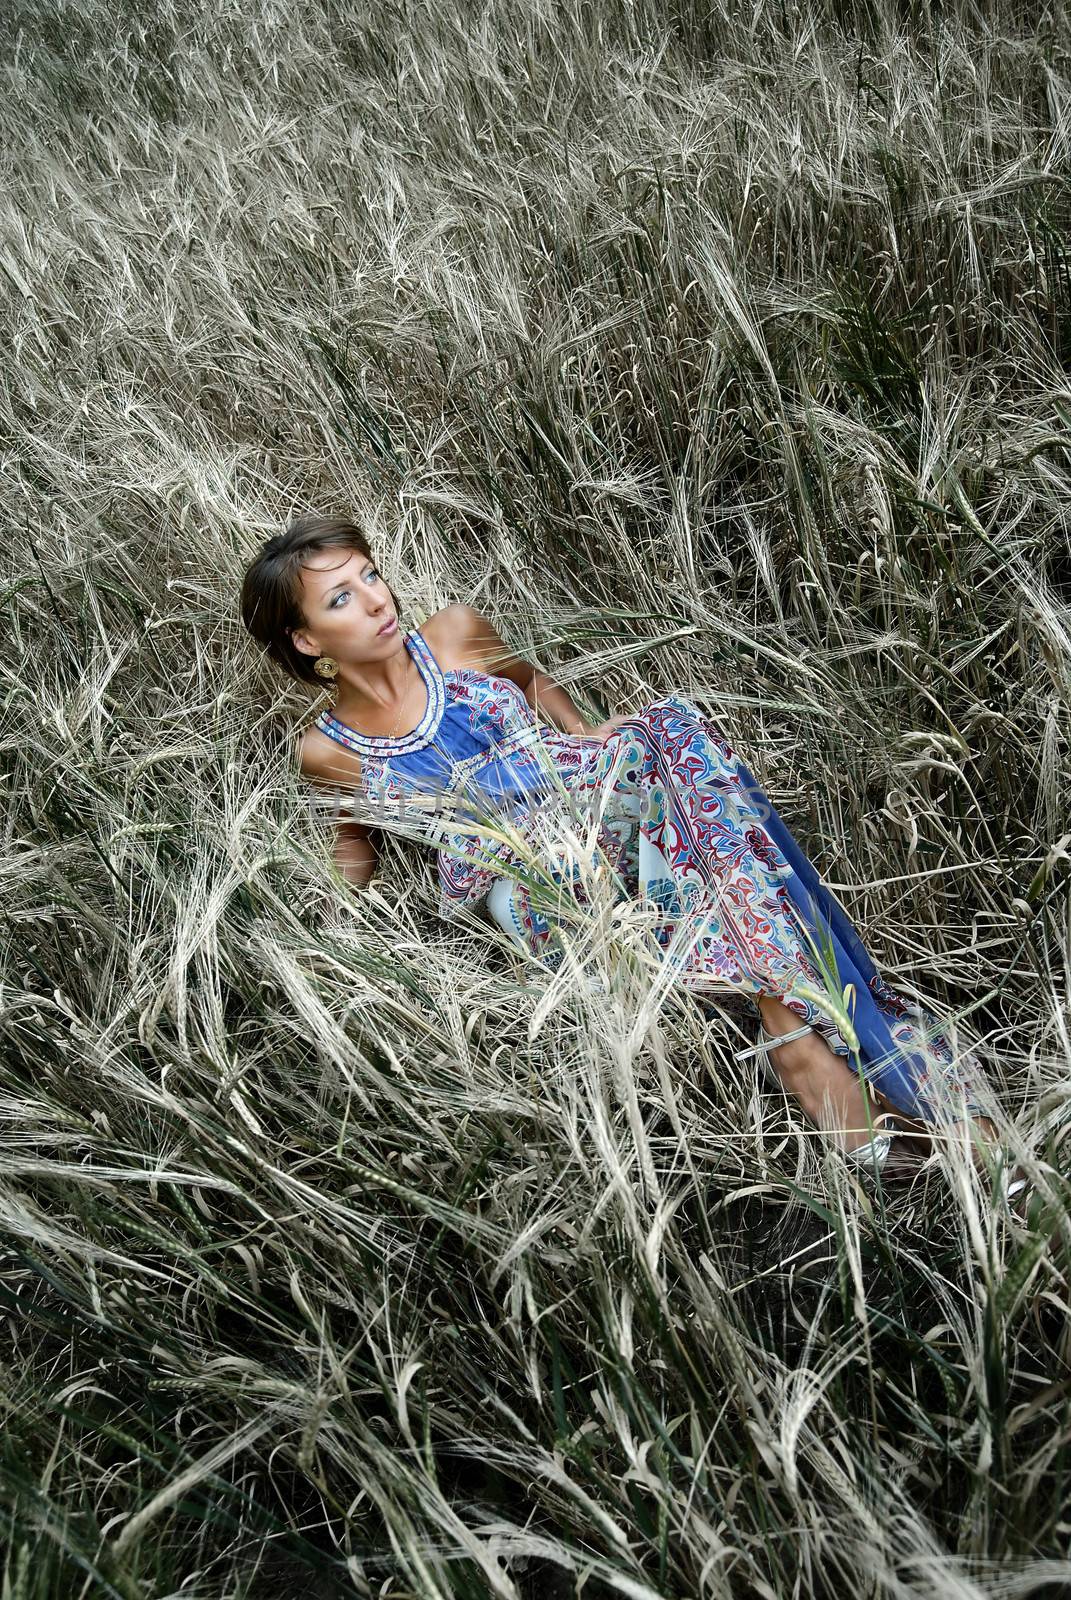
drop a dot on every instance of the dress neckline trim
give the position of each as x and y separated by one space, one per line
422 734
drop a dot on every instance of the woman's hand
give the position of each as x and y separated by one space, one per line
604 729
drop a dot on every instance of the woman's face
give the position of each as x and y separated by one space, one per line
345 604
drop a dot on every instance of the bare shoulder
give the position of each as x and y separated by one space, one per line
325 760
329 768
450 632
461 636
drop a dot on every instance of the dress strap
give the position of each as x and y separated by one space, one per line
417 634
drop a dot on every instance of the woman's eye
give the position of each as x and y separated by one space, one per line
338 597
373 574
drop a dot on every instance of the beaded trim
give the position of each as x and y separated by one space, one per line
422 734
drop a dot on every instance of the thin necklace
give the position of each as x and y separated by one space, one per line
405 691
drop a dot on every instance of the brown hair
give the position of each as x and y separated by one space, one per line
270 599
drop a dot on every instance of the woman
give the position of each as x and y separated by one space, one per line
433 734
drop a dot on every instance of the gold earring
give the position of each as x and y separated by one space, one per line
327 667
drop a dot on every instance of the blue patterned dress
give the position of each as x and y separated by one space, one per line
682 825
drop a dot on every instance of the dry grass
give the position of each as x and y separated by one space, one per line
709 349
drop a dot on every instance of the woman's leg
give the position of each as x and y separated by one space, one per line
810 1070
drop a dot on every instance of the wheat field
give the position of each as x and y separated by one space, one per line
712 348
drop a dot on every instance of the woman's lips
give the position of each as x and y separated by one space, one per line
389 627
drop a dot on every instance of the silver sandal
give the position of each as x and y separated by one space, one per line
870 1156
766 1040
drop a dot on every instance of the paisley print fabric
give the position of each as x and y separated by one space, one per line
681 826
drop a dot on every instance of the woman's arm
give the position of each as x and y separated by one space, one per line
355 854
543 694
478 639
329 775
